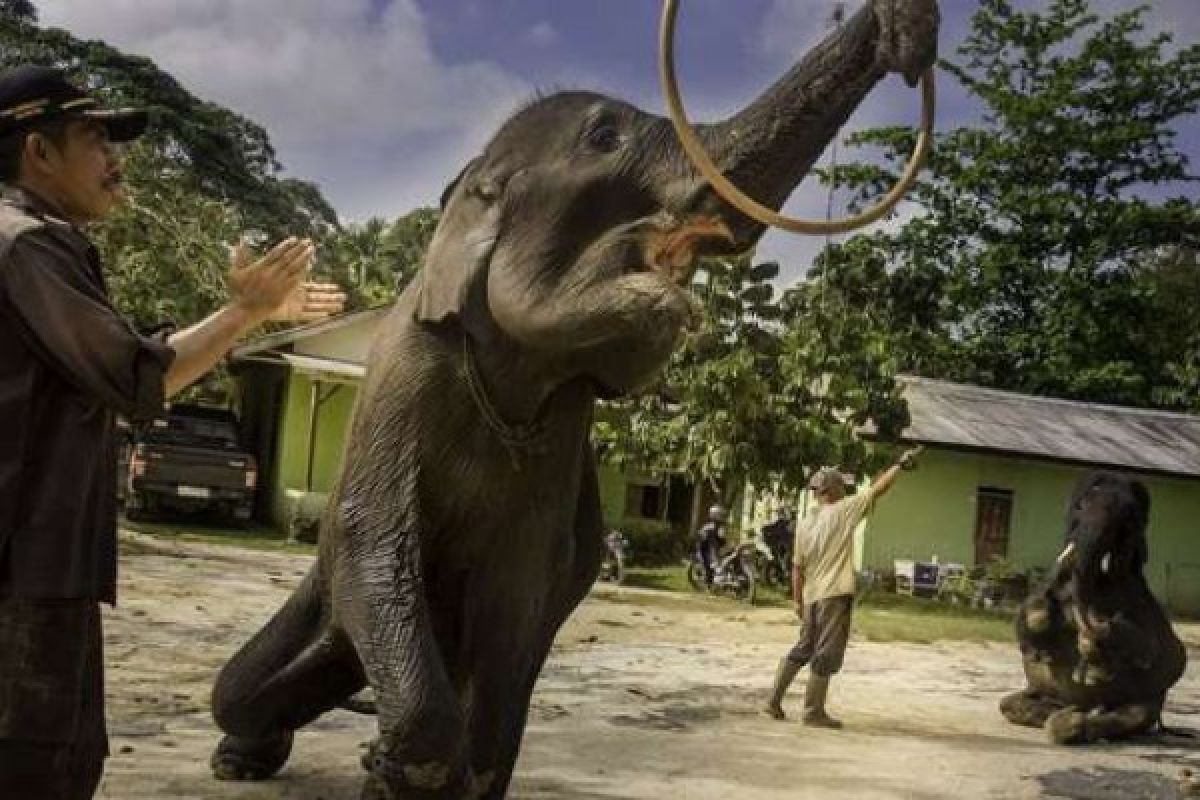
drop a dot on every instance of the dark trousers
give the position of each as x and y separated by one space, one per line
824 636
53 740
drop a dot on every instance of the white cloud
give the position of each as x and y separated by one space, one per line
543 34
356 100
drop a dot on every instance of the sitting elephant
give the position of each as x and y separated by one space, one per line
466 524
1098 649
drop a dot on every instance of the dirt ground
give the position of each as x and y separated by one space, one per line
645 697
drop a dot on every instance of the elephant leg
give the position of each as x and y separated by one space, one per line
1071 726
288 674
495 753
1029 708
421 752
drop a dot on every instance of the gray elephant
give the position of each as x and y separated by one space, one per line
466 525
1098 649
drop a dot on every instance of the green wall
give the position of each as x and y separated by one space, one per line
932 512
612 493
333 422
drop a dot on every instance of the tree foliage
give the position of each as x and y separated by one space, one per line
375 260
209 149
765 390
1023 267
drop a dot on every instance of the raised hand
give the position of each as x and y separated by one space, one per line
273 287
310 302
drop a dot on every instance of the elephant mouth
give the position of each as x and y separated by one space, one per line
671 248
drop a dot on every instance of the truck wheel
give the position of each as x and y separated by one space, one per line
241 515
135 507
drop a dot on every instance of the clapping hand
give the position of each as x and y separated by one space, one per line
273 287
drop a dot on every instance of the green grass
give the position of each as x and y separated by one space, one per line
895 618
257 538
878 617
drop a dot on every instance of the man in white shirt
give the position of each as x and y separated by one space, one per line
823 585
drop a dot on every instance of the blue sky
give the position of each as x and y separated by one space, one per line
381 101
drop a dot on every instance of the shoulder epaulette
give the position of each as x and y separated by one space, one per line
15 222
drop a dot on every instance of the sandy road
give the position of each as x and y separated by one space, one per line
645 697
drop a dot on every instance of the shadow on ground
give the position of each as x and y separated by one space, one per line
1103 783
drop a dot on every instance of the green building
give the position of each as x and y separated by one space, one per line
998 470
297 390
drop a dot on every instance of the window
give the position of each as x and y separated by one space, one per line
993 514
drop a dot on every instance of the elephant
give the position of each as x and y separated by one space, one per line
1098 650
465 525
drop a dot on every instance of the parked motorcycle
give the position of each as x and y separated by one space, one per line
732 575
616 555
770 565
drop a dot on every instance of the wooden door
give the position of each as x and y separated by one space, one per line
993 512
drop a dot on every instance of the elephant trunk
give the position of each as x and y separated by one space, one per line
768 147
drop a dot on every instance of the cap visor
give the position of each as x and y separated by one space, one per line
124 125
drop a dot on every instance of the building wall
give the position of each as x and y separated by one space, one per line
932 512
333 423
612 494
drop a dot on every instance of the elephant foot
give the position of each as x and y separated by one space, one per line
375 788
430 780
1067 726
240 759
1028 709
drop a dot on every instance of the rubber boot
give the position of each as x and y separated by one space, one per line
784 674
814 703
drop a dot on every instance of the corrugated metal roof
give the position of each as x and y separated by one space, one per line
963 416
271 341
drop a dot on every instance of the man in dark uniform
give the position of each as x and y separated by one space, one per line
68 365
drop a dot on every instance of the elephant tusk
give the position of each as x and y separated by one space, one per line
1066 553
752 208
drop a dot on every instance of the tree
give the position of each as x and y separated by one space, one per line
168 251
18 9
214 151
1021 268
375 260
765 390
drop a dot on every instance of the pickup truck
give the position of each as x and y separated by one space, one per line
191 461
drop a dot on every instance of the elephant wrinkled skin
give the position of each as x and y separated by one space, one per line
466 524
1098 649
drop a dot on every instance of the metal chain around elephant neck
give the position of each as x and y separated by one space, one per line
514 437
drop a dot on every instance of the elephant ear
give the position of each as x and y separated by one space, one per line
461 248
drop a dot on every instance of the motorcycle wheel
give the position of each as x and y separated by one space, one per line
696 576
764 569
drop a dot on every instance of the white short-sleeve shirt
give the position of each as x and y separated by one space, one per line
824 547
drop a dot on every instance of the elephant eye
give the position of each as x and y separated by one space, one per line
604 138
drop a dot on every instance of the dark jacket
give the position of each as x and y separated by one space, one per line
68 364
